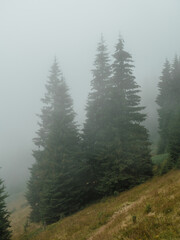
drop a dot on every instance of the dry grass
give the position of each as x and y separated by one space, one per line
19 210
155 205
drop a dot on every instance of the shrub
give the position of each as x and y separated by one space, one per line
148 208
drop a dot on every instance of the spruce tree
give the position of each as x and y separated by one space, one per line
175 85
5 233
55 189
174 128
95 127
174 141
168 101
126 159
164 101
116 141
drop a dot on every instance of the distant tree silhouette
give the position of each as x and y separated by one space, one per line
5 233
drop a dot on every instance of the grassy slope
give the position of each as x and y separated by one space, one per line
19 210
156 205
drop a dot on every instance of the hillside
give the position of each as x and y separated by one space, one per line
148 211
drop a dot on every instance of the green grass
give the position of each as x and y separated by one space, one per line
155 205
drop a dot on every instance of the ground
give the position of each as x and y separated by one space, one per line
148 211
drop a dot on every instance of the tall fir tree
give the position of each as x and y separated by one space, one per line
169 109
126 159
117 143
95 127
174 141
164 100
55 188
175 85
174 128
5 233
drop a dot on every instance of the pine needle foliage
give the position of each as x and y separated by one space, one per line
169 112
118 151
55 189
5 233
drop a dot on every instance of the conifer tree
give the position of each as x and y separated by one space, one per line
175 86
119 150
168 101
174 125
55 189
126 159
174 141
95 127
5 233
164 100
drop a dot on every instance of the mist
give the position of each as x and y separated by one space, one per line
34 32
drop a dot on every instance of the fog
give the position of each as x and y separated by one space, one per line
34 32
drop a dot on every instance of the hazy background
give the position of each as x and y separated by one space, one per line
32 32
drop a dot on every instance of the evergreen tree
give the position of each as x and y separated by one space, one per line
174 141
169 112
116 142
164 100
95 127
168 101
175 85
126 159
174 129
5 233
55 189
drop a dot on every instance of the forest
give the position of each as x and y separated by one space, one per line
112 152
90 110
